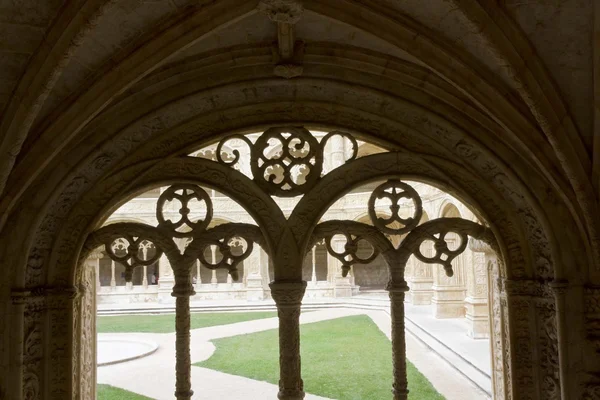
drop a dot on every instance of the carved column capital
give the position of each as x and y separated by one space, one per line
527 288
480 246
559 287
288 294
96 254
286 11
45 297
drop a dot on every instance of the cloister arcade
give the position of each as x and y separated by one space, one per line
467 290
494 103
287 162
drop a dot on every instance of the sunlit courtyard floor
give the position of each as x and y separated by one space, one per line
236 358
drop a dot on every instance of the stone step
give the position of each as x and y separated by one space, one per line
479 378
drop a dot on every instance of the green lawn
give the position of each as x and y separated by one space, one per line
346 359
107 392
165 323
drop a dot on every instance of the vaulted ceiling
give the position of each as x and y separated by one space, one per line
71 71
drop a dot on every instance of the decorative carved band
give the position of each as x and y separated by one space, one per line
527 288
288 294
592 300
45 297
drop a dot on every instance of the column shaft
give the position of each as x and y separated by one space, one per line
288 297
183 364
113 281
400 385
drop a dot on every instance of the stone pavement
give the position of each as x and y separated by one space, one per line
154 375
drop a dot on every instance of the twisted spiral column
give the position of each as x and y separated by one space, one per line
288 298
183 364
400 386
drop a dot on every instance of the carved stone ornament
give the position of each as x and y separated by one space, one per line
286 162
294 167
396 258
286 11
288 71
394 191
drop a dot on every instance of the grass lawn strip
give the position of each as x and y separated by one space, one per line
107 392
165 323
346 358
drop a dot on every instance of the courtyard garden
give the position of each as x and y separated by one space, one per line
165 323
346 358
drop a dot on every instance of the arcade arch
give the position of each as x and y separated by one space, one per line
317 197
477 99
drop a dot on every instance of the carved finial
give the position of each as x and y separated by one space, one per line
286 11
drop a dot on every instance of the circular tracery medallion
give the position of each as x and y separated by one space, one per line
185 194
292 171
393 191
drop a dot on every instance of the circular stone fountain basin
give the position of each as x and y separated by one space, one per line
118 349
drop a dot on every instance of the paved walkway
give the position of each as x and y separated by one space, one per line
139 375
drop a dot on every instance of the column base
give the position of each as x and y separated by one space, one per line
290 395
421 292
254 288
477 316
342 287
448 303
165 288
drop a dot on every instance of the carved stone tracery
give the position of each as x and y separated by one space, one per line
290 243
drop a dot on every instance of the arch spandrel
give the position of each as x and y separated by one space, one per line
279 111
199 171
377 167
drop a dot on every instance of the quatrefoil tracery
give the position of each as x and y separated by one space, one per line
227 247
294 168
350 254
132 251
133 244
443 254
184 193
394 191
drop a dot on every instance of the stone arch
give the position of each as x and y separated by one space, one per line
448 209
414 166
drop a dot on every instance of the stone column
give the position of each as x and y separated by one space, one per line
97 268
213 258
400 385
421 278
113 280
166 280
254 280
449 292
288 298
145 278
87 326
338 151
198 276
182 291
476 303
313 254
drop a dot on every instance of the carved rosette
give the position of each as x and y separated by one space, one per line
288 298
